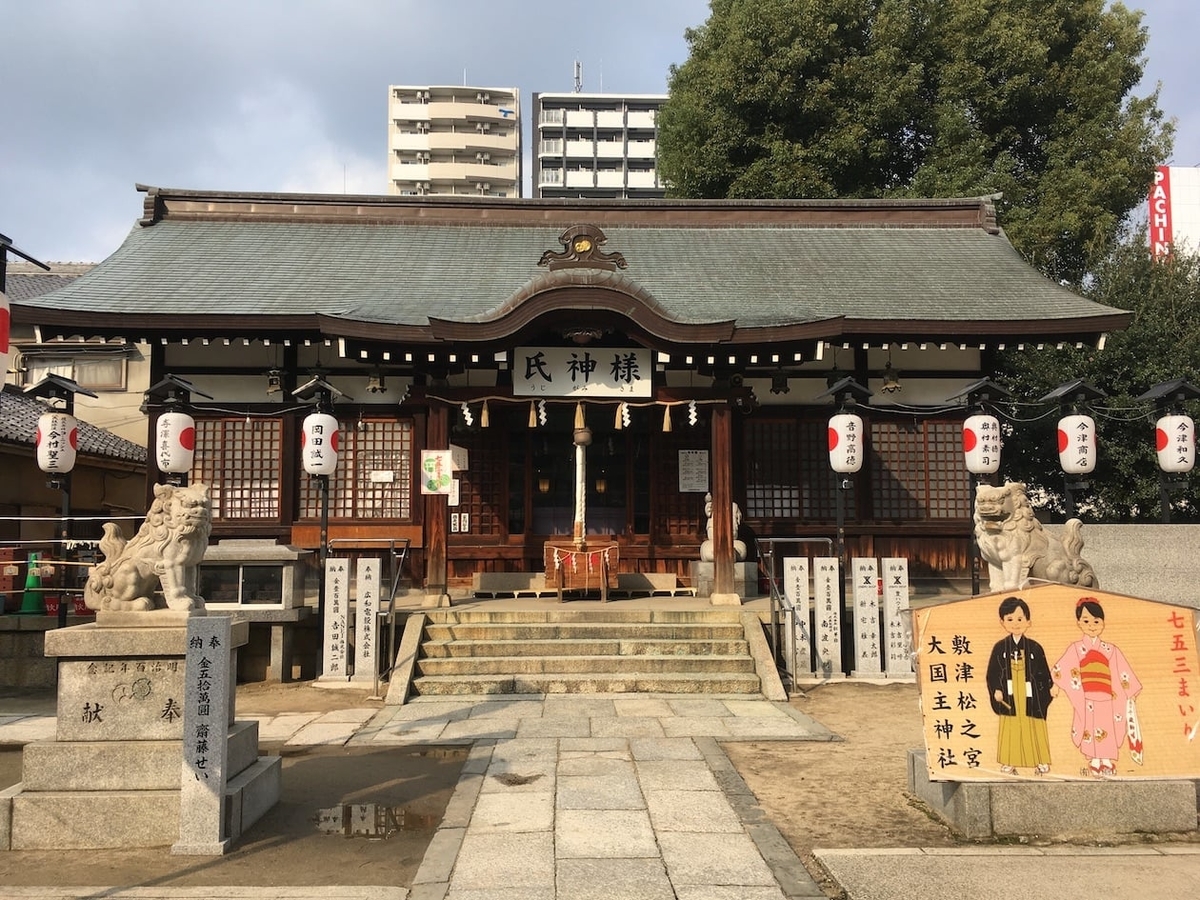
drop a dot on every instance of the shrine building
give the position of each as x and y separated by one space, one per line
704 345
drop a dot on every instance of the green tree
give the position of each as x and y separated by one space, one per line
1161 345
891 98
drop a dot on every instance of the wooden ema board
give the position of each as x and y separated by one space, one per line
593 568
1145 651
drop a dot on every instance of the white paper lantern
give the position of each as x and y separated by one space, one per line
57 440
4 333
1077 444
1175 441
981 444
319 444
175 442
845 443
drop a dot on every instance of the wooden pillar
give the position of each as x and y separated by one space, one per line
722 494
437 437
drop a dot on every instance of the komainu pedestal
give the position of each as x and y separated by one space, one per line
111 777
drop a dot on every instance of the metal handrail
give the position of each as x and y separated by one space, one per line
397 555
780 604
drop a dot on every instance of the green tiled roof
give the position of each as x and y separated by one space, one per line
405 271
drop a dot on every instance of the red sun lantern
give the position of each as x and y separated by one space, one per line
319 444
4 332
175 443
1077 444
1175 441
57 441
981 444
845 443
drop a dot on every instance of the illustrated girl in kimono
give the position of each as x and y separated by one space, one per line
1019 687
1101 686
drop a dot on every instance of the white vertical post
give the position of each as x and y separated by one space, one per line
799 638
827 578
337 597
366 594
868 654
206 714
897 619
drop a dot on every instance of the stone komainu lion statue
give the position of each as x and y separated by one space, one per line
706 548
166 551
1016 548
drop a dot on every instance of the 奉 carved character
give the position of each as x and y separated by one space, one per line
1015 546
166 552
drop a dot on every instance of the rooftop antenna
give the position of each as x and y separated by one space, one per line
578 76
602 75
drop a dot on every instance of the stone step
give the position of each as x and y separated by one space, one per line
633 682
544 631
586 647
585 665
606 614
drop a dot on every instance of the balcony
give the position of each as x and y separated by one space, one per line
642 149
610 118
550 177
642 179
580 118
610 149
641 118
610 178
470 171
472 112
470 140
580 149
580 180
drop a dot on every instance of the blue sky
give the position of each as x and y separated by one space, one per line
291 95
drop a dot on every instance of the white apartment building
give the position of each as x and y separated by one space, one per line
454 140
596 145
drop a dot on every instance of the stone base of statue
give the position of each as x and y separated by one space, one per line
111 778
745 578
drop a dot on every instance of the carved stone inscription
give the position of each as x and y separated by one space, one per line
120 699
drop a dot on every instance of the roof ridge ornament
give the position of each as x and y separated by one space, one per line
581 249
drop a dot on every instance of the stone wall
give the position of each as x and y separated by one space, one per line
1157 562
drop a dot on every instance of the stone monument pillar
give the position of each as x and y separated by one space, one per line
111 778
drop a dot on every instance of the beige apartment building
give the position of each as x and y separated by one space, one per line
454 139
596 145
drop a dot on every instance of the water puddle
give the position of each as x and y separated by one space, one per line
372 820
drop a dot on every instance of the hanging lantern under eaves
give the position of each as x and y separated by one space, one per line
981 444
845 443
1175 441
57 441
175 443
1077 444
319 444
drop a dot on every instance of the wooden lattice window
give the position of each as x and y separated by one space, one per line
481 486
917 471
240 461
787 471
374 476
675 513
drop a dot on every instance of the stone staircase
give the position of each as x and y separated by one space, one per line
584 651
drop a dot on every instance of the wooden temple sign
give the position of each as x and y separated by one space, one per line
1058 683
593 568
582 372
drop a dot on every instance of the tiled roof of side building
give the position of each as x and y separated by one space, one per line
23 281
18 425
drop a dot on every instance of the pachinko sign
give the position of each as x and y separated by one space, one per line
1162 234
